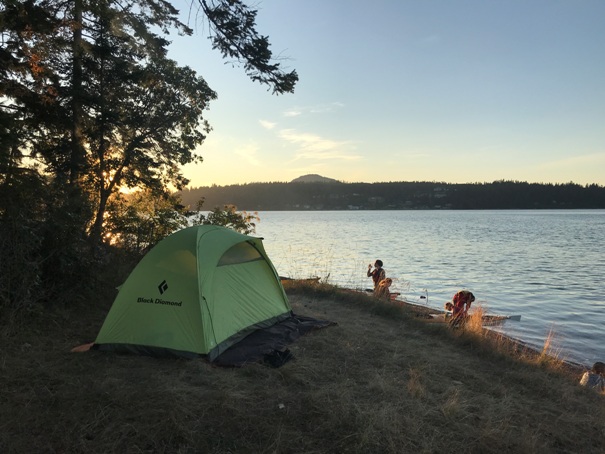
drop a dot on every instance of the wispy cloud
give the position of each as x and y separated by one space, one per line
248 152
317 109
292 113
267 124
330 107
312 146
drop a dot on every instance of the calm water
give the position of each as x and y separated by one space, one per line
547 266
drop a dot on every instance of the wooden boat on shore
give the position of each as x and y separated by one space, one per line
486 320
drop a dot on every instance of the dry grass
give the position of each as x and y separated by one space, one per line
382 380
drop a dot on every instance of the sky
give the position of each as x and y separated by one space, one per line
456 91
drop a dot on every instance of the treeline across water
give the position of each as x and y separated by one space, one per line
398 196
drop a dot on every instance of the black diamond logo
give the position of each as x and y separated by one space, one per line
163 287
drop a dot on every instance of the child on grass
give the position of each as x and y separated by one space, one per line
595 378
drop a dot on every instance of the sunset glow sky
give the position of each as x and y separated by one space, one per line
412 90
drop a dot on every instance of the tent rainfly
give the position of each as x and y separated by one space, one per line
196 293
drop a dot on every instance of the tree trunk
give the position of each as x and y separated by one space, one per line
77 148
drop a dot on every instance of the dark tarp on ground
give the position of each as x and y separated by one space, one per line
268 343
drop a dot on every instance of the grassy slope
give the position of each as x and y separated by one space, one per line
383 380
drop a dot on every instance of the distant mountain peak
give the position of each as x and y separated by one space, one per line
313 178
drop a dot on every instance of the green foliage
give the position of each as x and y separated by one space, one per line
67 260
228 216
137 221
21 236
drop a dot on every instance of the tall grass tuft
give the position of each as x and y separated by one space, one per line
474 322
415 384
550 354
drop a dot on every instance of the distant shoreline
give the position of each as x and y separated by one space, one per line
322 196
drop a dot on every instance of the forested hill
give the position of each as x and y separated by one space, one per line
397 196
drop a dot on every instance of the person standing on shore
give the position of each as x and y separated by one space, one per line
595 378
377 274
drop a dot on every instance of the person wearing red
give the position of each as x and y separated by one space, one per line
461 303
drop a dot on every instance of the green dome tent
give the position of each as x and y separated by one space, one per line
197 292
